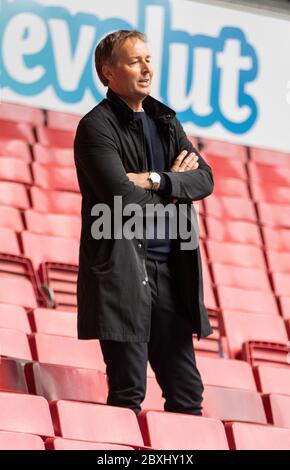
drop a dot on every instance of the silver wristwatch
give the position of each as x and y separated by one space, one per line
154 179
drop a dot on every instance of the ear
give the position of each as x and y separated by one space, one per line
107 72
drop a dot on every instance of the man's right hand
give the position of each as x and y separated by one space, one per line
185 163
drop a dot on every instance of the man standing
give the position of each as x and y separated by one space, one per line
142 298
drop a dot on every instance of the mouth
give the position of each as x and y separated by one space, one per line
144 82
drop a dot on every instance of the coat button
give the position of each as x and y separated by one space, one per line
144 283
139 245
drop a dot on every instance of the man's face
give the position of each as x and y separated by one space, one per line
131 76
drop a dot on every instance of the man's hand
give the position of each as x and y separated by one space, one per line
185 163
140 179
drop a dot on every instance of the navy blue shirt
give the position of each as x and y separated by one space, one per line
157 249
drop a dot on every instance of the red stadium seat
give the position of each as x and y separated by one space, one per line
8 242
15 317
278 240
59 225
226 373
232 298
153 398
281 282
272 194
55 137
270 157
15 170
62 120
55 382
12 376
244 436
272 379
20 441
45 248
65 351
225 149
180 431
230 208
14 195
90 422
231 187
274 176
53 322
53 155
55 178
259 352
70 444
243 278
15 148
236 254
55 202
233 231
21 113
226 167
279 262
11 218
14 343
17 292
25 413
277 409
274 215
61 280
16 131
232 404
240 327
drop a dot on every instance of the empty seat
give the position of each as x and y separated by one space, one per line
273 379
245 436
15 317
259 352
53 155
90 422
57 202
60 120
59 225
243 278
285 306
278 261
226 373
20 441
12 375
170 431
8 242
232 404
231 187
277 240
272 194
234 208
58 443
14 195
228 150
11 218
15 148
55 137
269 177
274 215
61 350
16 130
277 409
233 231
13 169
281 282
233 298
270 157
45 248
153 399
14 343
240 327
53 322
236 253
55 177
25 413
17 292
21 113
55 382
226 167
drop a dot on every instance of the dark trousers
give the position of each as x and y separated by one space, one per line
169 351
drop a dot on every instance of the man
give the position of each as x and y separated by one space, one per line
142 298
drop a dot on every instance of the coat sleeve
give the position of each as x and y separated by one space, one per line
192 185
97 158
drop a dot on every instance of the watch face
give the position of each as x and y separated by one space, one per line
155 177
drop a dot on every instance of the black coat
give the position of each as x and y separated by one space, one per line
114 299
